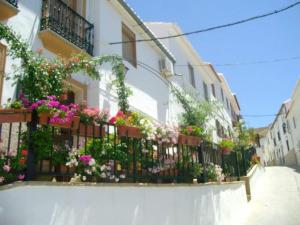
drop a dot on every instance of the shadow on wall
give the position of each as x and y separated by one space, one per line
71 205
295 168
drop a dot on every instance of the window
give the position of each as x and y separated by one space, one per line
278 134
287 145
222 94
294 122
192 76
219 129
129 48
2 67
284 128
205 91
213 90
227 103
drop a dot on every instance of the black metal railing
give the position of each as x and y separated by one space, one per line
13 2
63 20
120 157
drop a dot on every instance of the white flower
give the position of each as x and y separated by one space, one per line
112 177
94 169
103 167
117 179
122 176
103 175
84 178
92 162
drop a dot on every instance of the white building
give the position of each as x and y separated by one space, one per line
192 73
293 121
279 142
63 27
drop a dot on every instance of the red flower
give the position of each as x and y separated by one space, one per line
22 161
24 152
120 114
112 120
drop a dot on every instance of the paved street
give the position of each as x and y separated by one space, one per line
277 199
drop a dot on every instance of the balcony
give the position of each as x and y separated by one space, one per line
8 8
63 31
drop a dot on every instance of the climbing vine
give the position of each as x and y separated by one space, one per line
39 77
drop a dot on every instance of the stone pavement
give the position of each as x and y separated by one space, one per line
277 198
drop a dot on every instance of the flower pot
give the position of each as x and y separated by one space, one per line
226 151
15 115
44 118
194 141
90 131
43 166
74 124
189 140
182 139
132 132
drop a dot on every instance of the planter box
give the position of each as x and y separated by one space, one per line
74 124
15 115
226 151
44 118
132 132
189 140
90 131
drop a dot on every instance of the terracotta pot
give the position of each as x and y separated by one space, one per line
132 132
43 166
90 131
182 139
189 140
15 115
74 124
226 151
44 118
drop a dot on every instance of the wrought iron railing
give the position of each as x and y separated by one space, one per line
13 2
39 150
63 20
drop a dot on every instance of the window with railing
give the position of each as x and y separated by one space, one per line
66 22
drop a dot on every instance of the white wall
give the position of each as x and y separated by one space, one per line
124 205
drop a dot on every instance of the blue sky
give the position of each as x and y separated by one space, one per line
261 88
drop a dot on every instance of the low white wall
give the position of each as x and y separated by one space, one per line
123 205
255 177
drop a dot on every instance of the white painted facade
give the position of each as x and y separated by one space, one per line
186 55
293 120
124 205
279 143
151 94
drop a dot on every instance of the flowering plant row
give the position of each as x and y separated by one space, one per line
12 166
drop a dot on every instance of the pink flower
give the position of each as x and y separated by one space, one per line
2 179
85 159
21 177
190 129
112 120
34 105
6 168
63 108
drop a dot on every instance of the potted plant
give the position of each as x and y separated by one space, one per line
196 171
91 120
51 111
190 135
126 125
14 111
226 145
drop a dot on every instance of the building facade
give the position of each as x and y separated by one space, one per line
60 28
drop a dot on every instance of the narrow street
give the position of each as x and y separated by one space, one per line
277 198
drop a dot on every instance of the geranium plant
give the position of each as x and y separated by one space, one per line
166 134
226 145
93 115
192 131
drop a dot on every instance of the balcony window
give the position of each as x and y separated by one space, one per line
60 20
129 47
